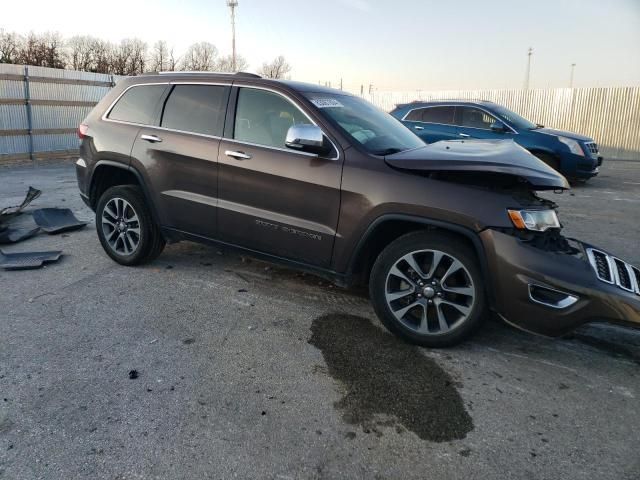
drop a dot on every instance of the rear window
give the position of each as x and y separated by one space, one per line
196 108
138 104
443 115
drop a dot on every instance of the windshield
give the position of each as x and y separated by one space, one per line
378 132
514 119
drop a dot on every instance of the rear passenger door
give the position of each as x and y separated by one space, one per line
271 198
432 124
180 156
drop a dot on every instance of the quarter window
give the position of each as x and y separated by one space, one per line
264 118
475 118
196 108
138 104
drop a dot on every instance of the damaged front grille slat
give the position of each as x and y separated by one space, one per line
612 270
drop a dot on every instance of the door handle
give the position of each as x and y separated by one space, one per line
418 127
237 155
151 138
464 135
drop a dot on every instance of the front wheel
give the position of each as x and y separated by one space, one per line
426 288
126 228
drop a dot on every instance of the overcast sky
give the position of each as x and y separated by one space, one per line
393 44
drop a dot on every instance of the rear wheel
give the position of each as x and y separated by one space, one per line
126 228
427 288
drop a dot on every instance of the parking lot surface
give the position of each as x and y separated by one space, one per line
248 370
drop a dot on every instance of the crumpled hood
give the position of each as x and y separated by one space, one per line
499 156
562 133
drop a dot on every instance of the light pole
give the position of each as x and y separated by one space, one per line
526 78
232 4
573 66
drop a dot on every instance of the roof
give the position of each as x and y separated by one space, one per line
446 102
293 85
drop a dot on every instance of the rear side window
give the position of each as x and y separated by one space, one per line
443 115
196 108
264 117
475 118
138 104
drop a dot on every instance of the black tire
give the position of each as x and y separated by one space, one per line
426 243
549 160
150 241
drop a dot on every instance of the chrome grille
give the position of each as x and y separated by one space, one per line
592 147
612 270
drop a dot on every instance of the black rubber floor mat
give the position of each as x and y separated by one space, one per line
26 260
32 194
56 220
18 228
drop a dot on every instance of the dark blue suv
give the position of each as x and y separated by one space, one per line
573 155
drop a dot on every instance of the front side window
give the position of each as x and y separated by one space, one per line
475 118
378 132
440 115
196 108
138 104
264 118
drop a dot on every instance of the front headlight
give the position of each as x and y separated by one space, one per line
535 220
573 145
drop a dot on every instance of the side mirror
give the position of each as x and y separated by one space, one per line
307 138
498 126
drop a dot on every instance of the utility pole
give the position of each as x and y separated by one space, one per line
340 83
526 78
232 4
370 88
573 66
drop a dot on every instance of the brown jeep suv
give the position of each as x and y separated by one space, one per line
325 182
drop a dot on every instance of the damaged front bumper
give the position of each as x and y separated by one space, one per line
551 292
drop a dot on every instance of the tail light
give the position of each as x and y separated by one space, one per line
82 130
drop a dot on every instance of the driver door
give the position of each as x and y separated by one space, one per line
273 199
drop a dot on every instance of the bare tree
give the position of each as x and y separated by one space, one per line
160 57
200 57
276 69
43 50
80 54
53 46
10 46
103 54
129 57
225 64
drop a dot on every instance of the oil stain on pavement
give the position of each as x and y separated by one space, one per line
388 381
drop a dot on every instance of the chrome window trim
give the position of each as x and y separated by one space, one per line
214 137
562 304
453 124
296 104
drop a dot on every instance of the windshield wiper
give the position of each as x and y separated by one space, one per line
388 151
538 125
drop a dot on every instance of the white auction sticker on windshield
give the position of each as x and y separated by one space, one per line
326 103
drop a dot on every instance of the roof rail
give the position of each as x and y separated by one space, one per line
200 72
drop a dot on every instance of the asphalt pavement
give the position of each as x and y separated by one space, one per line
248 370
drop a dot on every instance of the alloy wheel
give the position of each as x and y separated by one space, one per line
430 292
121 226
